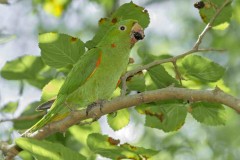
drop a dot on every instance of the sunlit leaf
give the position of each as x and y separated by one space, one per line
209 113
110 148
26 155
51 89
202 68
79 141
43 150
25 67
119 119
61 51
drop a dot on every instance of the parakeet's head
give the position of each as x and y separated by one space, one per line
123 33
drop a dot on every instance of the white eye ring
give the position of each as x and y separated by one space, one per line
122 28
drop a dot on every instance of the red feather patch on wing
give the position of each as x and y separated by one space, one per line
99 60
97 64
118 83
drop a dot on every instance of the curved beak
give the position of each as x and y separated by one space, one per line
137 33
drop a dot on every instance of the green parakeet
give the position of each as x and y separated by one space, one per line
95 76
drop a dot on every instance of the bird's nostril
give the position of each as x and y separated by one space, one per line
138 36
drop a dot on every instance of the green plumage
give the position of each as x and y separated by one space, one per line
95 76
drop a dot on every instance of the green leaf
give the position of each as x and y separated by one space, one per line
25 155
79 141
25 67
29 68
124 12
60 50
202 68
161 77
167 117
43 150
136 83
51 89
28 118
209 113
117 122
110 148
210 9
10 107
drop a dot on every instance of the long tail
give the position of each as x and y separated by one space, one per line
58 111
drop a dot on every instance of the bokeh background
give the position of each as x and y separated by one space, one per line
173 29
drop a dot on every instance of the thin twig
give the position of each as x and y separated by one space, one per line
29 117
209 25
194 49
178 74
158 62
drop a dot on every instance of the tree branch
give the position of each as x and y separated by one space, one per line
116 104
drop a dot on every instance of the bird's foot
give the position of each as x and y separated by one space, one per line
98 103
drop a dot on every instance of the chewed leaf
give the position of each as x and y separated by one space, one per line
124 12
209 113
111 148
60 50
132 11
209 8
167 117
202 68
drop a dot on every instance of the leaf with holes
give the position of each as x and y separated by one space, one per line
167 117
111 148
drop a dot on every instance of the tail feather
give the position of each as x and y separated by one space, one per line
53 113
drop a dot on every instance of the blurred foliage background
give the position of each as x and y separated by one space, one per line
174 28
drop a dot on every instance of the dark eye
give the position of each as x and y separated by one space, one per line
122 28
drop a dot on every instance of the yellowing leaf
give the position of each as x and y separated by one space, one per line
51 89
